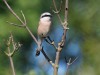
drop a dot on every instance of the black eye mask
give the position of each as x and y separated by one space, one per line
46 16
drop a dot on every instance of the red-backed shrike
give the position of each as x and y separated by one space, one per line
43 29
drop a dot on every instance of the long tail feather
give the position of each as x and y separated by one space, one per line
39 46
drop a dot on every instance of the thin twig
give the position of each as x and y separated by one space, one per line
69 62
23 17
73 60
15 24
56 10
51 42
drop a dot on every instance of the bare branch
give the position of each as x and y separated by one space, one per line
56 10
62 42
74 60
51 42
11 63
10 54
15 24
61 3
23 17
23 23
69 62
15 46
65 24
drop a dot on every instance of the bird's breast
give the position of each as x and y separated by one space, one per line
43 28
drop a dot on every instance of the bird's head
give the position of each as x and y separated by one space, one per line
46 16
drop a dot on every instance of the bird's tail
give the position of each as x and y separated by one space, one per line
39 47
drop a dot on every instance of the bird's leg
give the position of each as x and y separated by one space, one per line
48 40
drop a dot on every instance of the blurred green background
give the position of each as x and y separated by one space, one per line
83 37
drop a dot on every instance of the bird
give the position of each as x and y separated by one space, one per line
43 29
